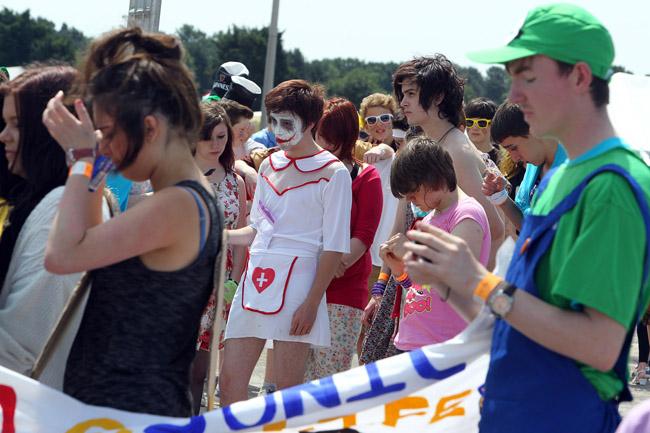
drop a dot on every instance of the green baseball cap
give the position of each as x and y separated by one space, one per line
561 31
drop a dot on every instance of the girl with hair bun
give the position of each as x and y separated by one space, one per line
151 266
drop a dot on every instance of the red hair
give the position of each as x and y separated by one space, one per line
340 126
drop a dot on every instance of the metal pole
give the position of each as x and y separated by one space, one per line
269 66
144 14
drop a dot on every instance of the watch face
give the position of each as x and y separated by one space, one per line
501 304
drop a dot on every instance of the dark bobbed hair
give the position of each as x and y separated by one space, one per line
42 158
235 110
340 126
214 115
599 88
508 121
422 162
130 75
299 97
434 76
481 107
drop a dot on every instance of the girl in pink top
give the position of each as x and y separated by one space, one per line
423 173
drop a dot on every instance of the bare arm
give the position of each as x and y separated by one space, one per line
79 241
513 213
493 184
243 236
305 315
357 249
239 251
587 336
469 167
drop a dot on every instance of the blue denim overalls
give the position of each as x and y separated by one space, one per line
529 388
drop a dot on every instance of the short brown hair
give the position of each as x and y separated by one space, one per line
422 162
299 97
235 110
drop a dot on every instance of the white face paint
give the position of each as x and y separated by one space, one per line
287 128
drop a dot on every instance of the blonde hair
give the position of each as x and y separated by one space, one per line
377 100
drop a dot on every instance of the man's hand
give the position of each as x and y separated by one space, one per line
303 319
493 183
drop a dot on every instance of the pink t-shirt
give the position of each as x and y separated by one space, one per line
425 319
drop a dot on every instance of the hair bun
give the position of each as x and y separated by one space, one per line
126 45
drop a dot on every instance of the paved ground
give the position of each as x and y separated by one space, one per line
640 393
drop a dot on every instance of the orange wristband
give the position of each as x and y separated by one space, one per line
402 278
485 287
81 167
383 276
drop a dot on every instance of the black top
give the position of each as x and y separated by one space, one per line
138 335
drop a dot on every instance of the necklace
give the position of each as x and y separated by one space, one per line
441 139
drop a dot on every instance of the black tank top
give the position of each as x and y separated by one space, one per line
137 338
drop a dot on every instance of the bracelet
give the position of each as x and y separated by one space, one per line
486 286
81 167
378 288
383 276
446 295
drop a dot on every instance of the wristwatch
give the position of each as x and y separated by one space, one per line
73 155
501 299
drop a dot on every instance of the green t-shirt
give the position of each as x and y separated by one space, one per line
596 259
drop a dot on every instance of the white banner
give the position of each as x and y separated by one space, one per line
433 389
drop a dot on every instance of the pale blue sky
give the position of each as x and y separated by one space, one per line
378 30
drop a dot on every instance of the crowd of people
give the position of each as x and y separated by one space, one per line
348 232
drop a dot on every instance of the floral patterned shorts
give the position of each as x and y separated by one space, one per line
345 325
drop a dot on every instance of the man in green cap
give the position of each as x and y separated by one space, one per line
578 278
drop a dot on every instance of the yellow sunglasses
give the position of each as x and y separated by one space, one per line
481 123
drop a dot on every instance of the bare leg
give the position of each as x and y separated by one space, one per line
199 370
290 360
239 358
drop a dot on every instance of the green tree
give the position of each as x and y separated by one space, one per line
200 54
355 85
474 82
497 84
24 39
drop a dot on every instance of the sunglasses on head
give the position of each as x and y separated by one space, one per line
481 123
383 118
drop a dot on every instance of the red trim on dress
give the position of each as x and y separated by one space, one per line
293 161
268 181
284 292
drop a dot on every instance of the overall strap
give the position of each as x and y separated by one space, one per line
567 204
545 180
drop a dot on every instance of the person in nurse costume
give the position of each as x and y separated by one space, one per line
300 228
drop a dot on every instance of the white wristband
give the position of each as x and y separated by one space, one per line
498 198
81 167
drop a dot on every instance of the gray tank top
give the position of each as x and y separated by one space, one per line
137 338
